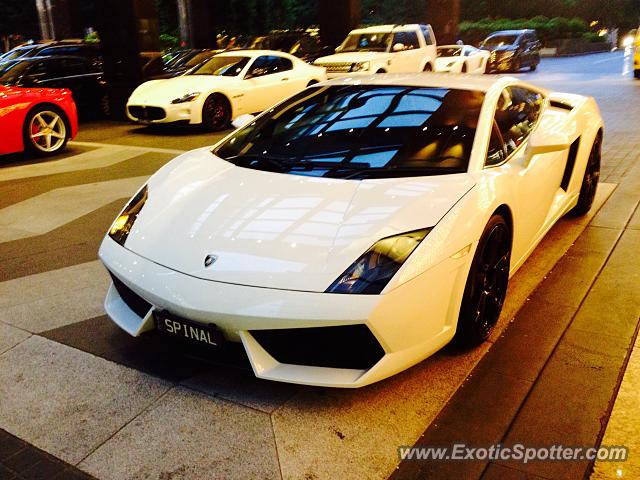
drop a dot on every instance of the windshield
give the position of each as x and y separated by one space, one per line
500 40
198 59
366 42
361 131
449 51
17 53
11 71
223 66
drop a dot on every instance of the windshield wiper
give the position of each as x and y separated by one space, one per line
384 172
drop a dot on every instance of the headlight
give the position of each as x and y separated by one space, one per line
120 229
507 54
360 66
189 97
370 273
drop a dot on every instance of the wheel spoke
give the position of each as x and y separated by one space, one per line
54 122
40 120
48 140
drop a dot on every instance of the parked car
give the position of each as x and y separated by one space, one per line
226 86
512 50
34 49
461 59
382 49
356 228
184 63
74 73
309 48
39 120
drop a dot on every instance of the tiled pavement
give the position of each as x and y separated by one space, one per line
78 388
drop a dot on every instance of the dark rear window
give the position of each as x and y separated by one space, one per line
362 131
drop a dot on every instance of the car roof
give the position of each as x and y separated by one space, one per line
482 83
512 32
52 58
387 28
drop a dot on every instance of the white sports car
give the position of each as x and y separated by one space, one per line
355 228
230 84
461 59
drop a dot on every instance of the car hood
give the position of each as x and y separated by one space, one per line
168 89
277 230
444 61
353 57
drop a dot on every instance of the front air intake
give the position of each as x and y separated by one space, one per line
351 346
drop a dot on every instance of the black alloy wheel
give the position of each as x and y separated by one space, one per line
216 113
589 180
486 286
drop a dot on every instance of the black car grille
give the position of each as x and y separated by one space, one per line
147 113
351 346
136 303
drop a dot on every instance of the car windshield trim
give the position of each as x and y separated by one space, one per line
361 131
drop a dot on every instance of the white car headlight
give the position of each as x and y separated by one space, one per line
189 97
360 66
371 272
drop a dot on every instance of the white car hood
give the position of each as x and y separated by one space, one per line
442 62
164 91
352 57
277 230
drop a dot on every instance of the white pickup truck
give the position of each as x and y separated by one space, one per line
382 49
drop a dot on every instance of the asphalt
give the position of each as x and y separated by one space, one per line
77 392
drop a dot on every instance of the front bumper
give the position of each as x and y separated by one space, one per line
501 64
152 114
409 323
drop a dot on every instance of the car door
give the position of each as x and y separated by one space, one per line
525 50
407 55
516 116
267 82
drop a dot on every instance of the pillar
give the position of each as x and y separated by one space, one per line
59 19
199 22
444 16
337 19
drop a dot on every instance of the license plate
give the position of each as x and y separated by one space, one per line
188 331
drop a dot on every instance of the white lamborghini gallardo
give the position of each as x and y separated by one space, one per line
357 227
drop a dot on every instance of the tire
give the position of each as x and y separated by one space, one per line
487 283
517 66
311 82
427 68
533 67
381 70
216 113
464 68
46 130
589 180
636 73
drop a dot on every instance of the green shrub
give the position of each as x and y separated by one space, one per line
169 42
547 28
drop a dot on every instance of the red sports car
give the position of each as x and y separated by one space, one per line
39 120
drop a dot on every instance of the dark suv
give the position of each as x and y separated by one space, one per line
512 50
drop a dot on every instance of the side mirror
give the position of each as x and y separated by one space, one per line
546 142
399 47
242 120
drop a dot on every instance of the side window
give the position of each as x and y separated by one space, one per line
39 72
411 40
427 34
408 39
72 66
284 64
260 66
516 115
